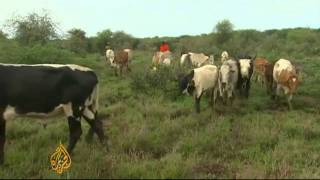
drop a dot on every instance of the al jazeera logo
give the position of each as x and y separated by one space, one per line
60 160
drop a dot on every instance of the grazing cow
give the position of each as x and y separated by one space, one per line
130 56
121 59
44 90
245 68
228 79
110 56
259 70
224 56
196 59
285 78
162 58
200 80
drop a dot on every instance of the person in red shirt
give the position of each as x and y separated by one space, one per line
164 47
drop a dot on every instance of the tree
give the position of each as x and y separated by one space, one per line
120 39
3 35
224 31
103 38
33 28
77 41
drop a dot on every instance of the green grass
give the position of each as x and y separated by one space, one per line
157 134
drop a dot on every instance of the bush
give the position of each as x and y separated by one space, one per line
163 81
37 54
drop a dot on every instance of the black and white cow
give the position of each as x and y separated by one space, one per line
200 80
245 67
44 90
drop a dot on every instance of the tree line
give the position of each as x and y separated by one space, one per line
39 31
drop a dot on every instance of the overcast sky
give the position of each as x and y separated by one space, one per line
148 18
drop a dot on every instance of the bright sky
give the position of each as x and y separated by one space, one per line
148 18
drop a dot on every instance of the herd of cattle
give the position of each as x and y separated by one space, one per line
234 77
44 90
230 77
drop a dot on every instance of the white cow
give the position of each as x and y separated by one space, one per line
162 58
228 79
201 80
286 79
224 56
196 59
110 57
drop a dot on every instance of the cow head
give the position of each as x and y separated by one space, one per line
186 60
293 83
225 75
224 55
245 65
186 83
211 59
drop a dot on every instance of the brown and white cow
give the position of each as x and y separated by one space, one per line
286 79
130 54
121 60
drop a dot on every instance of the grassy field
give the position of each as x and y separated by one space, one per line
155 133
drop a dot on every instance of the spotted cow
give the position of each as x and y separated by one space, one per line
45 90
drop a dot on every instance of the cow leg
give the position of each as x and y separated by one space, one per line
215 95
225 97
289 98
263 81
211 97
197 103
230 97
74 127
74 116
128 69
257 78
115 71
278 92
273 90
247 89
95 127
121 67
2 138
75 132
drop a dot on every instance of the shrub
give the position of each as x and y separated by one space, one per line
163 80
37 54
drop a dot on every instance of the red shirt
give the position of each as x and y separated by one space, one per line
164 47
